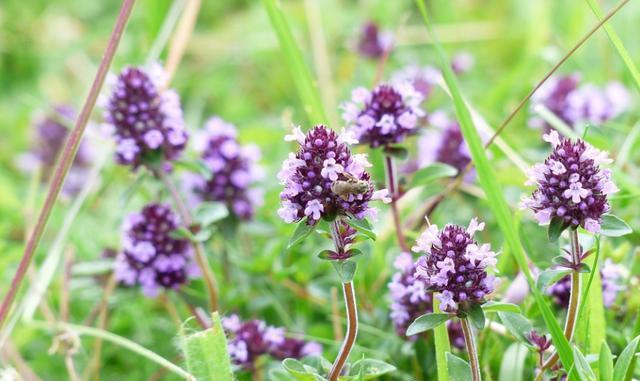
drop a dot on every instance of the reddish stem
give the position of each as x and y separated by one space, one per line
68 154
393 192
352 331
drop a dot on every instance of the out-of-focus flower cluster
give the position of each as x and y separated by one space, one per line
611 278
385 115
248 340
443 142
372 42
576 104
455 264
234 170
151 256
323 179
570 184
146 118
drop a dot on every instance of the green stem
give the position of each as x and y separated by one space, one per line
470 344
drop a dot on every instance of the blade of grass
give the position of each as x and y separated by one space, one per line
307 87
441 339
591 328
495 197
617 43
66 158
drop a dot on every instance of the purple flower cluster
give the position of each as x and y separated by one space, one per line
611 276
254 338
455 265
385 115
570 184
575 104
233 169
411 298
323 179
372 42
50 136
147 120
443 143
151 257
423 79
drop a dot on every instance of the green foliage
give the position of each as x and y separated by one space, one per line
206 354
427 322
459 370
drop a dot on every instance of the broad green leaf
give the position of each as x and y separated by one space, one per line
582 366
346 269
398 152
556 227
427 322
206 354
476 316
429 174
302 77
518 325
298 370
495 197
442 346
459 370
614 226
363 226
605 363
500 307
512 366
370 368
302 231
208 213
624 361
548 277
591 326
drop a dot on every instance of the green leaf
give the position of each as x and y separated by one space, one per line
495 197
346 269
556 227
209 212
363 226
427 322
442 346
582 366
181 233
429 174
302 78
205 353
614 226
605 363
500 307
624 361
512 366
591 327
548 277
476 315
197 166
459 370
299 370
518 325
398 152
370 368
302 231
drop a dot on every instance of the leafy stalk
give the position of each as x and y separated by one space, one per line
66 158
442 345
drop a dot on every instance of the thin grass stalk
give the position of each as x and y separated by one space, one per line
199 253
392 183
472 350
68 154
181 37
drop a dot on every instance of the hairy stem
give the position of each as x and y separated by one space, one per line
66 158
394 193
352 331
198 249
470 343
574 302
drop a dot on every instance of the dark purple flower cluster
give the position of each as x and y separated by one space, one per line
372 42
254 338
574 103
324 179
50 135
410 299
233 169
455 265
443 143
147 120
571 185
151 257
385 115
610 276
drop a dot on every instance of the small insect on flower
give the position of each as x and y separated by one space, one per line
323 179
571 186
456 265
